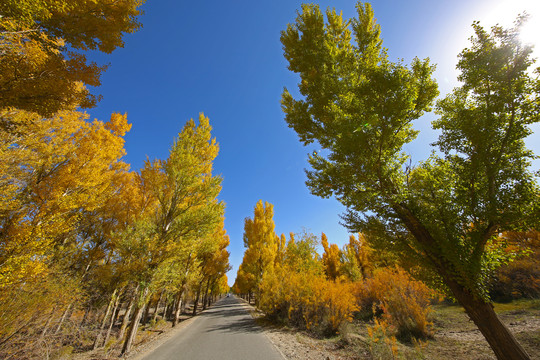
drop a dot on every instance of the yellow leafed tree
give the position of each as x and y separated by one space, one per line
260 241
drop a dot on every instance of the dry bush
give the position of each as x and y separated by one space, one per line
400 300
30 313
521 277
307 300
382 344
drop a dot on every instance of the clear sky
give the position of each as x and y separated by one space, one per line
224 58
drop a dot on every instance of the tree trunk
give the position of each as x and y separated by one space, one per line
147 311
114 315
47 323
125 320
134 325
178 311
183 307
502 342
166 309
205 297
104 322
85 316
63 318
196 302
156 309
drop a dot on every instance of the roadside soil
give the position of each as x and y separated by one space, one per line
300 345
455 337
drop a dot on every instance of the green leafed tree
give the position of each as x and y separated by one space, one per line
359 107
183 192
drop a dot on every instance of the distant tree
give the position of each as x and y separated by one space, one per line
330 258
260 241
356 258
359 107
185 211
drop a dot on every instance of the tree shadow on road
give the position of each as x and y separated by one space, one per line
244 325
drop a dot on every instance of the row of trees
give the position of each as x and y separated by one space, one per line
366 279
291 282
88 247
359 106
79 231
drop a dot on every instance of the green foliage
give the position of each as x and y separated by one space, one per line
357 104
521 277
359 107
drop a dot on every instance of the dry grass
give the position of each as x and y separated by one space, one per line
456 337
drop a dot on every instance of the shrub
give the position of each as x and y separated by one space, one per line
382 345
400 300
521 277
307 300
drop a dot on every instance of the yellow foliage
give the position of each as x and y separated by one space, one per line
330 258
53 171
402 301
521 277
261 243
382 344
307 299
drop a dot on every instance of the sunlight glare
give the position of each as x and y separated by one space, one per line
505 13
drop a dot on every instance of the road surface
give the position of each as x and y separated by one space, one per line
226 331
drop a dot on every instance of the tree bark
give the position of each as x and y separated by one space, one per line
502 341
178 311
166 309
66 315
183 307
47 323
147 311
125 320
134 325
196 302
104 322
85 316
205 297
114 315
156 309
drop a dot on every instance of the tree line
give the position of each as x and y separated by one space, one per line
90 249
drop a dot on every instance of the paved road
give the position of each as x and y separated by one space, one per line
226 331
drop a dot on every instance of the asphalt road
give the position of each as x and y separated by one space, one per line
226 331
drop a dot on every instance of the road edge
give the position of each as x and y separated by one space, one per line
251 310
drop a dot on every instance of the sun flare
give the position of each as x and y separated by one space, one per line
505 13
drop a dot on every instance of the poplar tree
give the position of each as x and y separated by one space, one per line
260 241
359 107
43 67
331 259
185 210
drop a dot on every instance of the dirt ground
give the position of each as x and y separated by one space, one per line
455 337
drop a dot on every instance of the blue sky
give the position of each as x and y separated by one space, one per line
225 59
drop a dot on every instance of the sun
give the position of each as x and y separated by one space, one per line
505 12
530 33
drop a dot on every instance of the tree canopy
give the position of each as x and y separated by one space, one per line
43 67
359 107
